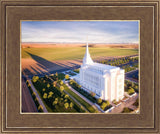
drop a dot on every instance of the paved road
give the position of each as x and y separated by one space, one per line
28 104
39 99
128 103
84 98
128 76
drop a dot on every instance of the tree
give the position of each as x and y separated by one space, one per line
66 76
36 99
35 78
33 94
66 105
54 102
99 101
54 84
66 96
71 105
27 81
61 82
48 85
56 74
44 95
61 89
40 108
29 85
51 93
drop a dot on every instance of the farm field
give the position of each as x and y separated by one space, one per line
38 60
74 53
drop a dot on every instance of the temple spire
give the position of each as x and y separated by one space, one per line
87 58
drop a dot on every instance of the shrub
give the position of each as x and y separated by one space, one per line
103 105
93 94
131 91
99 101
71 82
126 110
107 103
136 103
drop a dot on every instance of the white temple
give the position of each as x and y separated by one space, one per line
104 80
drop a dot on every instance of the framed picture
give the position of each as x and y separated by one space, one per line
73 66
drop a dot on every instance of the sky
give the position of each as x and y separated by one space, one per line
80 31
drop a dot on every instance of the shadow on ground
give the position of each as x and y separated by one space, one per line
44 66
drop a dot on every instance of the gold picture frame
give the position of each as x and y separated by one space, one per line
12 12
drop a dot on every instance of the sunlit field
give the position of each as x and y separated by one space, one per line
73 53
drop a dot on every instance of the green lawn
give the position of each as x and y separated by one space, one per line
41 84
84 103
72 53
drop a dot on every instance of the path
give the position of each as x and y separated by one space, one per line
39 99
28 104
128 77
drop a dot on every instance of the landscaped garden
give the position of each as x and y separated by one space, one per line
131 87
126 63
55 99
119 61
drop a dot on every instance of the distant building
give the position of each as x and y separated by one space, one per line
104 80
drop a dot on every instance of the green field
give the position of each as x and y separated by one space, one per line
72 53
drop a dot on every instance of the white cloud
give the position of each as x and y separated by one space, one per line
76 34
